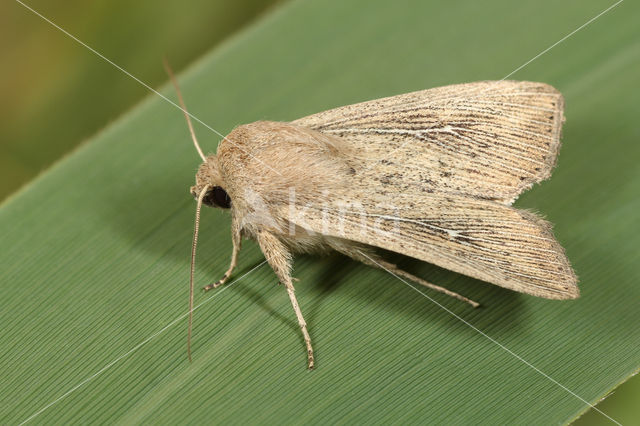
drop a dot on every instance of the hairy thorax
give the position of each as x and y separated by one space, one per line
267 166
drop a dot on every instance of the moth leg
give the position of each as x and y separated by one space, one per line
237 241
279 259
365 256
401 273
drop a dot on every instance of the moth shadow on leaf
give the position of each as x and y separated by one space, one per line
258 297
501 312
331 277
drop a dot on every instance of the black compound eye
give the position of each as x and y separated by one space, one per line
219 197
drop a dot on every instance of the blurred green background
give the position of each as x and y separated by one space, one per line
48 81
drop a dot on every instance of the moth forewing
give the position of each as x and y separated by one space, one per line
482 239
489 139
428 174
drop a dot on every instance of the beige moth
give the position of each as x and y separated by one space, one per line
430 174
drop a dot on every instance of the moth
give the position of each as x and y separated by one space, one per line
430 174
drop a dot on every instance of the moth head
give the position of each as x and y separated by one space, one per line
208 179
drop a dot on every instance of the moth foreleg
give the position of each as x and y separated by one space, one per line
237 241
361 254
279 259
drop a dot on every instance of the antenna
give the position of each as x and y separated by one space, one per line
184 108
196 227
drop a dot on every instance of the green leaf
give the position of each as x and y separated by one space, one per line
95 251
